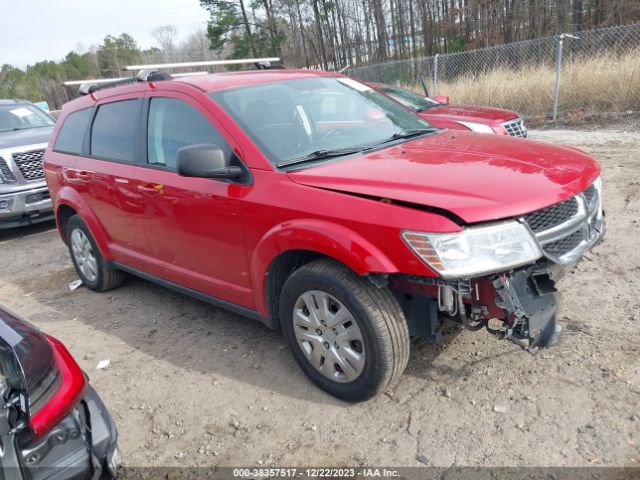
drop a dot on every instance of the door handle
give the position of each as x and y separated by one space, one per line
73 174
149 189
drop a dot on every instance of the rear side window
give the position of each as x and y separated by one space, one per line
114 134
71 135
174 124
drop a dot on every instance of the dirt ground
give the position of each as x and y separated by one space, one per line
193 385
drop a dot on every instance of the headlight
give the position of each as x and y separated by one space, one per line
477 127
475 251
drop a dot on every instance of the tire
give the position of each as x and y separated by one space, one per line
90 266
356 353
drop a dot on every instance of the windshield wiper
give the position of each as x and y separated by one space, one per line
321 155
408 133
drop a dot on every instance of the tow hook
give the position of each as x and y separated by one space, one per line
528 298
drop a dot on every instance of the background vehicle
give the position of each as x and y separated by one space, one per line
313 203
24 132
53 423
440 113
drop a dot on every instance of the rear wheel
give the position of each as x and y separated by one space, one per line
92 269
349 337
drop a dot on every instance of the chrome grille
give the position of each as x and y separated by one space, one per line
516 128
552 216
591 197
5 172
567 229
37 197
565 245
30 164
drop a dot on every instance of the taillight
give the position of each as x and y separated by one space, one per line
60 393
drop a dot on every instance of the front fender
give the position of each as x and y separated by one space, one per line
71 198
330 239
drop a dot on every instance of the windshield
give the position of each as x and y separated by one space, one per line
22 116
409 98
312 118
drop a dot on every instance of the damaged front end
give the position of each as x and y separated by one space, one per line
519 306
518 303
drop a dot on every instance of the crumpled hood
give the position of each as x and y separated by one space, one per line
469 113
477 177
29 136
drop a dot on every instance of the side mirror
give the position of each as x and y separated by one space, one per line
205 161
441 98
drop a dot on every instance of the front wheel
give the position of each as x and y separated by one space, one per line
349 337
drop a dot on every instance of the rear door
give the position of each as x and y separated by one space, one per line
112 176
194 225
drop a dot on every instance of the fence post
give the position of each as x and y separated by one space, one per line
556 90
435 74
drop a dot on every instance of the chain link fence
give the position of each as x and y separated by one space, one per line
595 71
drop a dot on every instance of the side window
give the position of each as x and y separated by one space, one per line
114 134
174 124
71 135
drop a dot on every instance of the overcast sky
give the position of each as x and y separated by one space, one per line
35 30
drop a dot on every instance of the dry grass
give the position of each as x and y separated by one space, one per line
589 86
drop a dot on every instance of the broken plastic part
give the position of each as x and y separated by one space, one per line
528 297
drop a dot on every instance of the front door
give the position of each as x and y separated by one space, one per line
194 225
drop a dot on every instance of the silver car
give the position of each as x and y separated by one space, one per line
24 132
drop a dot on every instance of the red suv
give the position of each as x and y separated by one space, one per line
315 204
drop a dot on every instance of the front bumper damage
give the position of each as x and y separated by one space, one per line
519 305
528 298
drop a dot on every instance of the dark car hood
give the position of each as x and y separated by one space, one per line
477 177
29 136
469 113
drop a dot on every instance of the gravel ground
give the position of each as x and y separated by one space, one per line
193 385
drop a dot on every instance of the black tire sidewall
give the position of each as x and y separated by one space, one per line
374 373
76 223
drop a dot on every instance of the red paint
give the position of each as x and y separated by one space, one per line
449 116
65 398
221 238
478 177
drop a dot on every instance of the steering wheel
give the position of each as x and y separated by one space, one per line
334 132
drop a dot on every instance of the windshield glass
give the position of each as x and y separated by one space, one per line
306 118
22 116
410 99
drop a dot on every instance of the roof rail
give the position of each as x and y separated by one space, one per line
98 81
239 61
152 72
89 86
